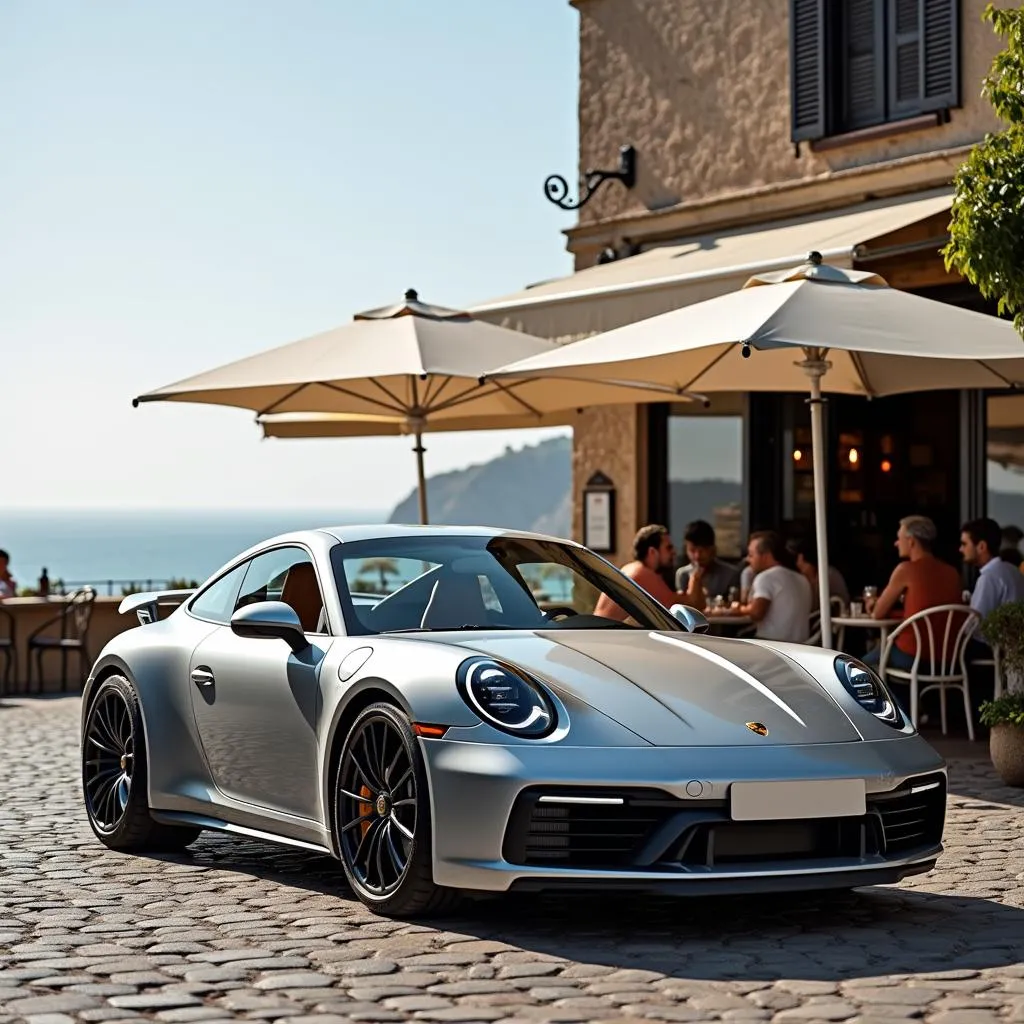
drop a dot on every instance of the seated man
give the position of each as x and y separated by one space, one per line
653 552
922 580
780 598
719 577
999 581
806 554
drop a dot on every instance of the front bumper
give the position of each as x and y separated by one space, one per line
670 826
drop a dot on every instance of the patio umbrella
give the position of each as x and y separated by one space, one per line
810 326
411 364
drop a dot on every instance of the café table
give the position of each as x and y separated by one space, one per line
865 621
728 619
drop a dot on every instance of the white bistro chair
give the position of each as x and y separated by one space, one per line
941 634
836 604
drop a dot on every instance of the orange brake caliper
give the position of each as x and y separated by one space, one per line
364 810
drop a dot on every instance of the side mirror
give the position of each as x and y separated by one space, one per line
270 620
692 620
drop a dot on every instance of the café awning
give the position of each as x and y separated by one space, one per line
666 277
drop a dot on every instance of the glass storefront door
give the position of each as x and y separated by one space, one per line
748 465
891 458
885 459
705 458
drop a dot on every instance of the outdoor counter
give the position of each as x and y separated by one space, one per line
29 613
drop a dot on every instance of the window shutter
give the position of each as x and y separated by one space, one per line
941 55
924 56
807 68
863 64
906 80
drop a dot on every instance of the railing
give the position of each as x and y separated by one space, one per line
112 588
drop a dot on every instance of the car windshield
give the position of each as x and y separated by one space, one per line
421 583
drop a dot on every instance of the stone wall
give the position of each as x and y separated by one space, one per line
610 439
702 91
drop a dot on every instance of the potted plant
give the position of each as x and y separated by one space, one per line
1004 628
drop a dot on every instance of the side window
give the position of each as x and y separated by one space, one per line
554 585
285 574
217 601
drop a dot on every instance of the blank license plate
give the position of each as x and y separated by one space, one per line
816 798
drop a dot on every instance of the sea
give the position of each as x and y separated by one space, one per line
99 545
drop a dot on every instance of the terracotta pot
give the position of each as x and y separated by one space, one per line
1006 747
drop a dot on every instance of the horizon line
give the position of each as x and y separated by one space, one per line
358 510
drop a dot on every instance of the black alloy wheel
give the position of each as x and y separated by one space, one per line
109 760
114 774
382 816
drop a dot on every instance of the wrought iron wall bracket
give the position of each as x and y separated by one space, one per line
556 188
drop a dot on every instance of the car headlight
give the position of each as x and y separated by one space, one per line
868 690
505 698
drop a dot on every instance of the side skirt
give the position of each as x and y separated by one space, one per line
202 821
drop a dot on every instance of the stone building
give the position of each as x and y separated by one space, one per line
763 129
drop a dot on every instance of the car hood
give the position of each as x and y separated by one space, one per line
677 688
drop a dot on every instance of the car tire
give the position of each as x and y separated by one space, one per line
114 774
381 820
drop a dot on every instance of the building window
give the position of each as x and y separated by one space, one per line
706 460
859 63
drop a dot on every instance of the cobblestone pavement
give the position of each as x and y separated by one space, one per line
238 930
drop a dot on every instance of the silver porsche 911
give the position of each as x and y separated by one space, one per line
443 711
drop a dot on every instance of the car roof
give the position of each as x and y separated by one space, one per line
381 531
321 538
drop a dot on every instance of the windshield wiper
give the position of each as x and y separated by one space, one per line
568 624
468 627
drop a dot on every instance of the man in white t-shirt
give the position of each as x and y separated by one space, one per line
780 598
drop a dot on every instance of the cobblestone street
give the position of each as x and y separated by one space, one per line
238 930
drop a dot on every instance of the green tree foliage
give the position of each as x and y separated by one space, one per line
987 229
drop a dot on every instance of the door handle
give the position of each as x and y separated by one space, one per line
202 677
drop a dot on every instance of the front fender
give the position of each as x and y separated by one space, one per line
355 696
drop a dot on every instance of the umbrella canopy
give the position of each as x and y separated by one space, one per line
813 326
873 336
411 362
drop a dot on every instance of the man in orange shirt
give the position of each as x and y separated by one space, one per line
654 552
923 580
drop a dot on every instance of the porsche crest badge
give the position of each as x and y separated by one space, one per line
761 730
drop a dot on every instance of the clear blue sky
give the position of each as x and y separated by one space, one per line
186 183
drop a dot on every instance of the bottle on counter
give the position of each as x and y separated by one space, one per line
44 583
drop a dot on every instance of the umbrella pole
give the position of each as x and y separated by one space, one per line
421 477
815 370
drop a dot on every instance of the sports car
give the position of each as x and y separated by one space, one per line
444 711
